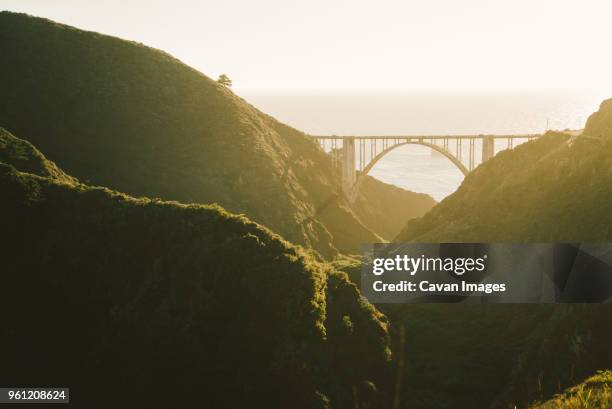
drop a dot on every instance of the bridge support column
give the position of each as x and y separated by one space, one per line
349 175
488 148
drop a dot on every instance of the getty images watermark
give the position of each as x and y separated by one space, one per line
487 273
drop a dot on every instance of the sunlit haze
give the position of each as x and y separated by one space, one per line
357 46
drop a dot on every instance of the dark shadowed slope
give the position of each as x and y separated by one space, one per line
118 114
170 305
387 207
556 188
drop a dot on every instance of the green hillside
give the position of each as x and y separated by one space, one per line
593 393
556 188
170 305
119 114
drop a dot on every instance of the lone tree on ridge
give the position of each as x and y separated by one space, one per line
224 80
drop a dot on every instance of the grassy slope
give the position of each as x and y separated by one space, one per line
102 291
119 114
545 190
593 393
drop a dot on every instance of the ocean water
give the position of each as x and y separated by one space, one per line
415 167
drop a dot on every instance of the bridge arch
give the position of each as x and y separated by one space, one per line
378 157
344 152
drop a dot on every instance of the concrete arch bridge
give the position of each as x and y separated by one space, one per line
357 155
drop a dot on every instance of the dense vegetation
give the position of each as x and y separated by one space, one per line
27 158
497 356
149 303
593 393
557 188
118 114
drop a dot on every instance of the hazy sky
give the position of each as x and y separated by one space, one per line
365 46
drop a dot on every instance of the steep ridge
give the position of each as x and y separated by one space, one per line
557 188
599 124
102 291
27 158
118 114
